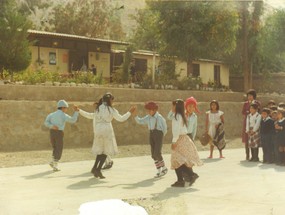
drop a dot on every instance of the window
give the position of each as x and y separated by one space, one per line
196 70
141 65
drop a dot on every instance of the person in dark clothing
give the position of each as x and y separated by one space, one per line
133 73
266 136
280 135
93 69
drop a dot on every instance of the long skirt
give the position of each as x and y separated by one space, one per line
254 140
185 153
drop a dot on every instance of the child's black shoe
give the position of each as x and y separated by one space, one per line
178 184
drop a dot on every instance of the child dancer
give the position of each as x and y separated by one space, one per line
266 135
280 135
191 108
252 129
214 120
108 163
184 154
158 128
56 122
104 142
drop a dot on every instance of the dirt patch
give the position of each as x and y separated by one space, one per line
152 206
24 158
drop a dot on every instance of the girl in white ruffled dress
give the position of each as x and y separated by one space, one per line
104 142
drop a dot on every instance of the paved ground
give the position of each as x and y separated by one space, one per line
228 186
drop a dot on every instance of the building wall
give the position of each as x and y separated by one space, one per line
206 69
100 60
207 72
61 58
181 69
225 75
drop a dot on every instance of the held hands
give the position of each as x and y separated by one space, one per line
75 108
251 132
173 146
133 110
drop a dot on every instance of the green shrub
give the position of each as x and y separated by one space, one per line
42 76
188 83
35 76
117 76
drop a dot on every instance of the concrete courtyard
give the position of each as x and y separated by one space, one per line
226 186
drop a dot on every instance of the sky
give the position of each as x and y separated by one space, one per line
276 3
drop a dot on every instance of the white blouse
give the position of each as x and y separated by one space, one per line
253 121
105 115
178 128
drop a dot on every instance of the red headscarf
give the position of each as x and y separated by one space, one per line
193 101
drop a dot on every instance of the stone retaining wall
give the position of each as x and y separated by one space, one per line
24 109
22 128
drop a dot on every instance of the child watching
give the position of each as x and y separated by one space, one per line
251 98
280 135
252 129
56 122
273 115
214 119
266 134
157 129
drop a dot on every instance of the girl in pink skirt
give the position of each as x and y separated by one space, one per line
184 154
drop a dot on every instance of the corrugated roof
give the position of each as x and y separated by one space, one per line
150 53
45 33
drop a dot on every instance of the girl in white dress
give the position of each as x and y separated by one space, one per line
214 117
104 142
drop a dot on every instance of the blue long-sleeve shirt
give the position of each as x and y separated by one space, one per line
153 122
59 118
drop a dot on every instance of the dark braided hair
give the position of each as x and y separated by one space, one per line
106 99
179 109
98 104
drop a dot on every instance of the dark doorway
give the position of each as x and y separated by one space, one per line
140 68
196 70
217 75
78 61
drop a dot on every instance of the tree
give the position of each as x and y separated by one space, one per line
250 31
271 51
192 30
14 46
188 30
147 34
38 12
92 18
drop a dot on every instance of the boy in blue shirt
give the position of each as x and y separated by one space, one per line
158 128
56 122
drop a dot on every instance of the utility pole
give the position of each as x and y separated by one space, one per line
153 68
